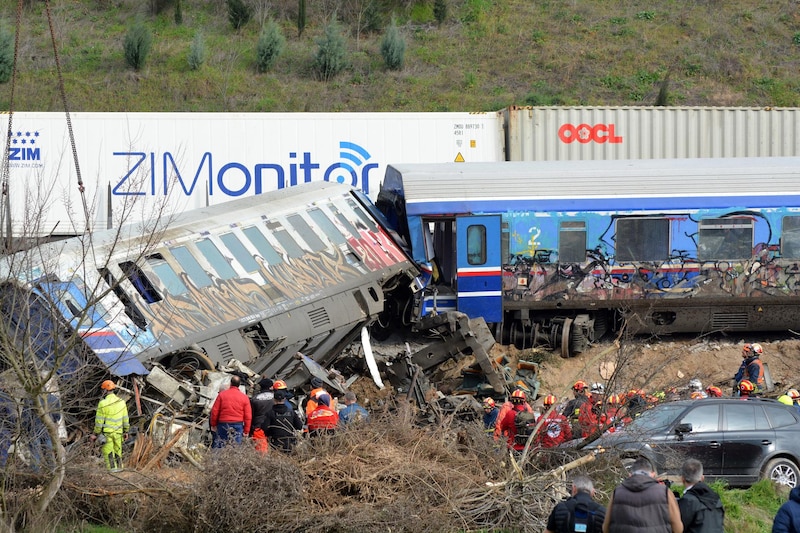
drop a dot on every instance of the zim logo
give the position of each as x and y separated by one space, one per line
23 146
584 133
235 178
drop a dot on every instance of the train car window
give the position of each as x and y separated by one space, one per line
167 275
131 310
725 238
282 236
140 282
790 237
218 262
642 239
305 231
191 266
572 241
327 226
239 251
476 245
362 215
267 251
346 223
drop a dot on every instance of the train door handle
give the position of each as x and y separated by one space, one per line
713 445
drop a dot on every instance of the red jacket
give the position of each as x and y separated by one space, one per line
554 430
508 427
322 419
232 406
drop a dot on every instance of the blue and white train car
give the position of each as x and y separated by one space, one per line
257 279
559 252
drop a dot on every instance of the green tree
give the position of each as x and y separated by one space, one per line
271 43
239 13
137 44
197 51
6 52
331 57
393 47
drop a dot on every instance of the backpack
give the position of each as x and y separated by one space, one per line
524 421
585 517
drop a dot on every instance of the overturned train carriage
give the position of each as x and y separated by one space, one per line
259 279
561 252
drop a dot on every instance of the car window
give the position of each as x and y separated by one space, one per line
658 418
741 417
703 418
779 417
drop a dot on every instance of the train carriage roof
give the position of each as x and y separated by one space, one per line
443 188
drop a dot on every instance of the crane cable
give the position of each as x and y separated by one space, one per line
5 205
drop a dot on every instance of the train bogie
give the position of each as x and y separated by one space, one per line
560 253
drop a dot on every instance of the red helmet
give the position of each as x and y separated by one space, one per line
517 396
579 386
697 395
549 400
488 403
746 386
793 394
714 391
279 385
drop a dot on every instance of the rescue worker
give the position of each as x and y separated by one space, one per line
317 388
695 386
490 412
590 412
573 407
282 422
746 389
712 391
322 420
751 369
795 396
231 415
111 421
697 395
261 403
507 425
352 412
504 409
636 402
555 429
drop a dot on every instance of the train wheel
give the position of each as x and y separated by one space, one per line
185 363
566 337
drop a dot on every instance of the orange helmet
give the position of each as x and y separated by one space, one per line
746 386
793 394
714 391
748 350
635 392
108 385
517 396
549 400
614 399
279 385
579 385
488 403
697 395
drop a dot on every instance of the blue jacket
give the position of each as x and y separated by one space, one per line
490 418
787 520
353 412
751 370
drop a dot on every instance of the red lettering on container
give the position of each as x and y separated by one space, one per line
584 133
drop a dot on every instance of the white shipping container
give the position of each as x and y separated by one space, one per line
575 133
135 164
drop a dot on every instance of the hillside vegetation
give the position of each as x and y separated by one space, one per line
485 55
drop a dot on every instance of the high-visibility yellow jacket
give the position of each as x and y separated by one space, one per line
112 415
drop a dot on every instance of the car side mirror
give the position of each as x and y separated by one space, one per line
683 429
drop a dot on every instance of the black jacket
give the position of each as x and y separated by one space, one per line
280 425
578 509
701 510
261 404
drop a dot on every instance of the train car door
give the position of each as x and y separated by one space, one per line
479 275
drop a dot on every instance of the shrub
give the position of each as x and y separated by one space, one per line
331 57
301 17
197 52
178 13
393 47
239 13
270 45
6 53
440 11
137 44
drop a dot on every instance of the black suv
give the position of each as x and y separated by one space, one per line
738 440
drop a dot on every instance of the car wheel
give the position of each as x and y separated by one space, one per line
782 472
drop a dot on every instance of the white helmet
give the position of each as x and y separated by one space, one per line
598 388
695 384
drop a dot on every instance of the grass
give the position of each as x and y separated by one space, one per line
488 54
